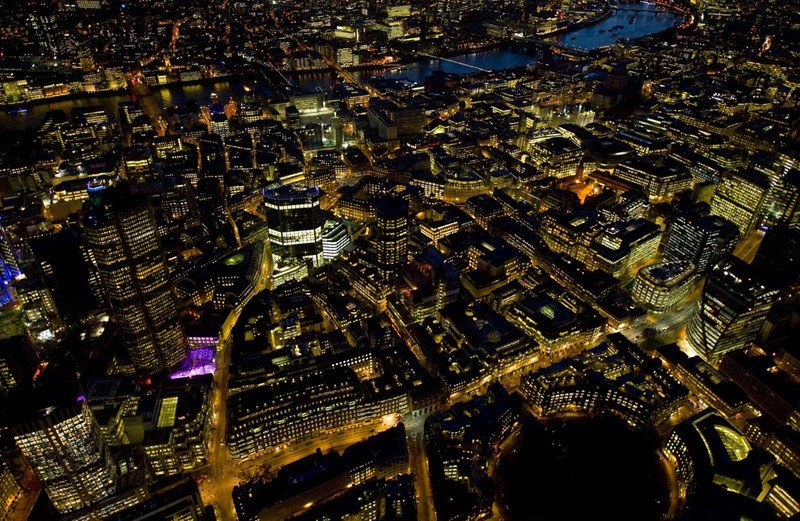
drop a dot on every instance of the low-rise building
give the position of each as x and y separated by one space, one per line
661 287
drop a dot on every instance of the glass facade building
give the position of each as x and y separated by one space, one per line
731 310
392 235
121 232
700 240
739 197
294 222
65 449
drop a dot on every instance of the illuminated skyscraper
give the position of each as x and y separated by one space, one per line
731 310
121 233
63 444
294 222
739 197
391 235
699 239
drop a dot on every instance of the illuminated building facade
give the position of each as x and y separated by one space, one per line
121 232
302 406
784 496
392 235
739 197
335 238
440 229
659 178
731 310
706 450
10 490
701 240
557 156
66 451
176 443
587 383
661 287
623 246
294 222
138 160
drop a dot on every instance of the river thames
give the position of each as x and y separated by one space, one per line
628 22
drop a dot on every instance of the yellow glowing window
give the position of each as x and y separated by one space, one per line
736 445
166 416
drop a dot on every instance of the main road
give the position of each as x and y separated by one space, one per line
227 472
217 488
22 507
748 247
418 461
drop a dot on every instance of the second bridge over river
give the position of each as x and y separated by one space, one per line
456 62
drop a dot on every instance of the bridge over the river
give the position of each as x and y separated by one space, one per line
426 55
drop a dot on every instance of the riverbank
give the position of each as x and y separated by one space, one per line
202 81
69 96
452 53
409 59
77 96
574 27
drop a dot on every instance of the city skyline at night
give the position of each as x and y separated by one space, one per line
387 260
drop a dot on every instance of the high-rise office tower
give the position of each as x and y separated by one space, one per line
121 233
739 197
391 238
730 311
61 440
700 239
295 222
